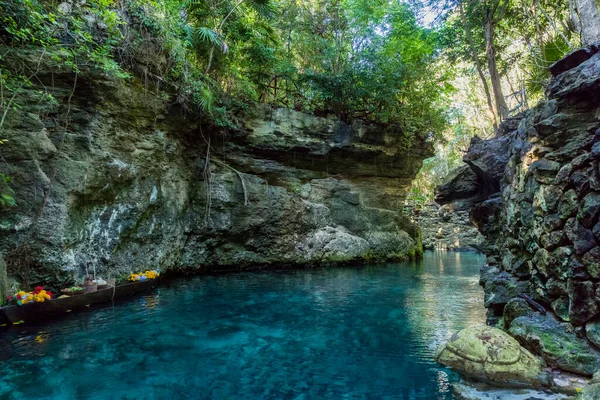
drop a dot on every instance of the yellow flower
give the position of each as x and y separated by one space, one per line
147 274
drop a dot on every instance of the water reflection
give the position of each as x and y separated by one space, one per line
319 334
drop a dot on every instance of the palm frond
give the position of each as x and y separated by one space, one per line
267 31
206 35
265 8
206 99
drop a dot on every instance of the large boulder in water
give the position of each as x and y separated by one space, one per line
491 355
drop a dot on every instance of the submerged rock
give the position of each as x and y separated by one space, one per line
491 355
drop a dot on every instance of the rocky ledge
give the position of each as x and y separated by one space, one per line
534 192
110 176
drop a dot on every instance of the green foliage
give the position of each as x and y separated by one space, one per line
550 51
29 23
352 58
6 192
360 59
448 157
529 36
417 198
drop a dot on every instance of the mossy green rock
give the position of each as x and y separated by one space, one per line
515 308
491 355
595 377
557 343
591 392
592 330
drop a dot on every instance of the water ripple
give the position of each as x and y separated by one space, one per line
338 333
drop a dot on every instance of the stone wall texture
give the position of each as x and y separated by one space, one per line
542 281
112 177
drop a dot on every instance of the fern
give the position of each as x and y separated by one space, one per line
551 51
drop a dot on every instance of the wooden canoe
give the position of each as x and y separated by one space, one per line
49 308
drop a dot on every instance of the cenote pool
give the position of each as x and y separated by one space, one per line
336 333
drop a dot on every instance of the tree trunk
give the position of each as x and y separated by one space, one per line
574 17
501 107
478 65
551 22
589 17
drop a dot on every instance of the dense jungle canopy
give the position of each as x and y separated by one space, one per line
443 70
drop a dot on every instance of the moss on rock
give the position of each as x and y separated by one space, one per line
491 355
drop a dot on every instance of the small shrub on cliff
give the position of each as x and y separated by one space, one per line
6 192
74 36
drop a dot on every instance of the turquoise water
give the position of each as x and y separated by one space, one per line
336 333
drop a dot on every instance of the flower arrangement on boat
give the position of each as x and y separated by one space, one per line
39 295
143 276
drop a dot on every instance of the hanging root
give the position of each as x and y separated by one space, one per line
239 174
208 179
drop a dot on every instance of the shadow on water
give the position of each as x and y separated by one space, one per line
357 332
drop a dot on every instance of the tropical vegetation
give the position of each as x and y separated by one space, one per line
442 70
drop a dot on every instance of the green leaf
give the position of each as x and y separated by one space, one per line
208 35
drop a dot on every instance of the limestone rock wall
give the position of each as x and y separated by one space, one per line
111 177
542 227
549 195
